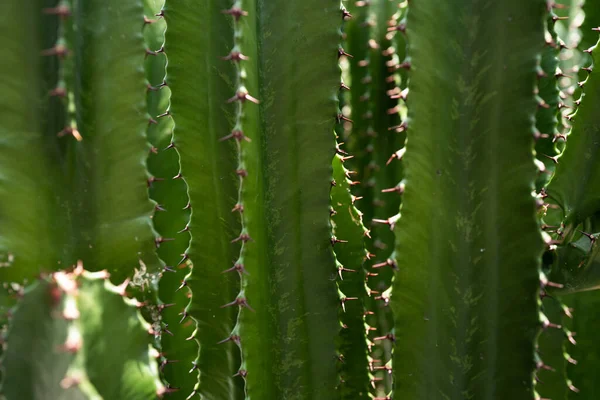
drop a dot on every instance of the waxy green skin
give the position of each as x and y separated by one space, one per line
292 315
74 201
59 331
351 255
171 194
198 35
466 281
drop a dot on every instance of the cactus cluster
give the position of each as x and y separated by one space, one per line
311 199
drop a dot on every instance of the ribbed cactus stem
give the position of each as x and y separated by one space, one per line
354 366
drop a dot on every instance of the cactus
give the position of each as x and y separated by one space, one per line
305 199
62 325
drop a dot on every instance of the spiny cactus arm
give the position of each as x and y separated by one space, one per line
110 209
584 354
351 255
464 279
551 359
177 353
577 169
287 336
30 216
120 361
357 31
198 35
387 139
548 113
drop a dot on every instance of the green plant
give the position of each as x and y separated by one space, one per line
369 200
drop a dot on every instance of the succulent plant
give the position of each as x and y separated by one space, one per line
312 199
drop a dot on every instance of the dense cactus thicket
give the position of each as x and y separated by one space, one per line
299 200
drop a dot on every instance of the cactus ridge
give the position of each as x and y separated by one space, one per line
176 354
350 251
452 271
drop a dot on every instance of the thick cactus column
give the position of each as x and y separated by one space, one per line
253 100
465 294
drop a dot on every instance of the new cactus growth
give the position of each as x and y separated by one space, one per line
421 229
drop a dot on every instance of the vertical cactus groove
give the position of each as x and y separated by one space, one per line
85 196
350 254
288 330
177 353
465 282
198 35
584 368
387 136
113 223
577 170
30 212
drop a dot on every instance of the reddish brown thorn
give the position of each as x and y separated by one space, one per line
238 207
153 150
148 21
152 179
168 269
346 15
389 336
340 117
341 269
158 207
235 56
163 306
160 14
188 206
242 96
343 301
184 315
62 11
178 176
404 65
554 159
335 240
388 262
233 338
244 237
242 173
237 135
397 155
572 388
58 92
398 189
236 12
165 362
183 284
240 301
158 241
242 372
333 183
398 128
344 86
344 159
71 131
187 228
164 328
239 267
341 52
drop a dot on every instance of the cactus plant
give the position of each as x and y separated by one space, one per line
422 228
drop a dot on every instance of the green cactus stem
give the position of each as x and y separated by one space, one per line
351 254
465 279
75 336
85 196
